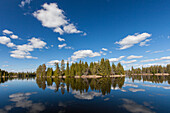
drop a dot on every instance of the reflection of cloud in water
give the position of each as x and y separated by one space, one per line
3 86
54 87
158 86
106 99
86 95
61 104
131 85
133 107
136 90
21 101
148 104
117 88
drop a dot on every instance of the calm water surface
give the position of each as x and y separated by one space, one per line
137 94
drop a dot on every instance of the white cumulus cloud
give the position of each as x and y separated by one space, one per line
4 40
144 43
62 45
131 40
23 51
128 62
116 59
133 57
104 49
14 36
24 2
7 32
156 59
52 16
61 39
84 53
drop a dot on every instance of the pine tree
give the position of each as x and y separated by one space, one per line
57 71
67 70
114 69
107 68
102 67
62 67
43 70
168 68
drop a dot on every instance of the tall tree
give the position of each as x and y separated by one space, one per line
67 70
57 71
62 67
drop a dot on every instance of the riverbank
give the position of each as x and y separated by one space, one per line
157 74
92 76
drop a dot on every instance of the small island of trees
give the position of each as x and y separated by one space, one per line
102 68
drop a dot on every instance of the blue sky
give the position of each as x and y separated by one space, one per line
133 32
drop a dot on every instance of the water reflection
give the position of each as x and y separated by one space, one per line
103 85
135 94
21 100
133 107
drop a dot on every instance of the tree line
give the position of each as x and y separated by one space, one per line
80 68
150 70
4 73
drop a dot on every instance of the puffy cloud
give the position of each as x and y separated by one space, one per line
53 62
84 53
7 32
21 100
116 59
147 51
4 40
136 90
150 60
128 62
61 46
158 51
23 51
52 16
70 28
156 59
133 107
104 49
131 40
37 43
10 44
133 56
24 2
86 96
131 85
61 39
165 58
14 36
144 42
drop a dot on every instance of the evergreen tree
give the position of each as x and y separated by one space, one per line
62 67
67 70
114 69
102 67
57 71
107 68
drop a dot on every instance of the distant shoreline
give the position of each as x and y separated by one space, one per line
157 74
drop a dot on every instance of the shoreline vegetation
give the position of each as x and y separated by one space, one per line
102 68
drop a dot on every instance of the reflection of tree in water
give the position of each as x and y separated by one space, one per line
103 85
151 78
49 81
41 82
5 79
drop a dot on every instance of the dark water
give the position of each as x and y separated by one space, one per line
137 94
